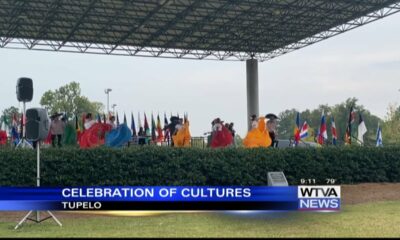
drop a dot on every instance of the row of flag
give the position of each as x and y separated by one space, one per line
156 132
322 135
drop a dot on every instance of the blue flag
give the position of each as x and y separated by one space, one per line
379 142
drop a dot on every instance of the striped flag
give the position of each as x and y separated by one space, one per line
304 130
322 130
297 129
362 129
379 142
166 131
334 133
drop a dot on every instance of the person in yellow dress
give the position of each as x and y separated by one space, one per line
182 137
258 137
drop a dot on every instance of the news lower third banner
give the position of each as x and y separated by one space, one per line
167 198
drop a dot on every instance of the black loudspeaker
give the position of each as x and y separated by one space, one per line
24 89
37 124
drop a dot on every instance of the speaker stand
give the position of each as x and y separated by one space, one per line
37 220
23 143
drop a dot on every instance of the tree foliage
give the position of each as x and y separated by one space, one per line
68 99
7 114
391 126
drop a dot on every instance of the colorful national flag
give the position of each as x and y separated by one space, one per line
14 135
14 130
322 130
297 130
334 133
159 129
146 126
166 131
379 142
362 129
153 129
304 130
348 134
133 127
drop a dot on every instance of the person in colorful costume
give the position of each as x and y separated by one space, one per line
221 136
258 137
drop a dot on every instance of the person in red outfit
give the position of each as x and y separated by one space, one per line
221 136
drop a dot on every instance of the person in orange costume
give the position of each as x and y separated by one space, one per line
258 137
182 137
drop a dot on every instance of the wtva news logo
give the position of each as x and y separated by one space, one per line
319 198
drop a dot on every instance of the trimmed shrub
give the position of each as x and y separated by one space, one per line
162 166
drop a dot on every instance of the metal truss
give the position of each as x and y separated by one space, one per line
187 29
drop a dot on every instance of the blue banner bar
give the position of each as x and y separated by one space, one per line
150 193
162 198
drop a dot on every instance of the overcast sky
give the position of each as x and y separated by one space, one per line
363 63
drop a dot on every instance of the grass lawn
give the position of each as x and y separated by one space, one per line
381 219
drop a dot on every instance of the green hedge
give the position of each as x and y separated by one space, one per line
169 166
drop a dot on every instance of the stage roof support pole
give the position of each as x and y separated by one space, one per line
252 89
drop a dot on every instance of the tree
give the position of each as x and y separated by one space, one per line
391 126
68 99
8 114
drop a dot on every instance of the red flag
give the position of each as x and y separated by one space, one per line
297 129
322 130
